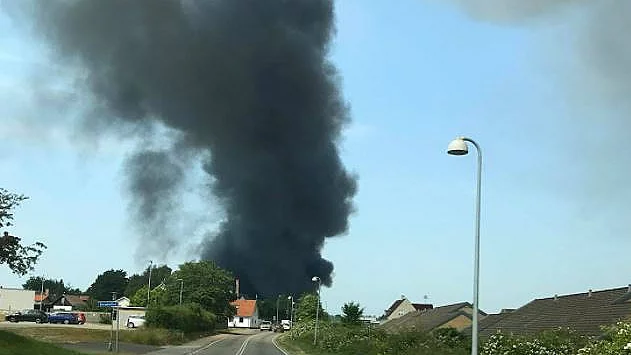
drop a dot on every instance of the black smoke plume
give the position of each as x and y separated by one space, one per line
248 86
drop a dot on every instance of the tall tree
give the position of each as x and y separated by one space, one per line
108 282
204 283
158 275
18 257
352 313
54 287
306 308
268 307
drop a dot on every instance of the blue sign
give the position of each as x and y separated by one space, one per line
107 304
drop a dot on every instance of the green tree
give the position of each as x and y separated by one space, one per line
106 283
352 313
203 283
267 307
18 257
306 308
54 287
157 296
158 275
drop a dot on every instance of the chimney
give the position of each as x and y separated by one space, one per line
556 297
237 287
629 289
589 293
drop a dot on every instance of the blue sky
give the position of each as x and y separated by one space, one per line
416 74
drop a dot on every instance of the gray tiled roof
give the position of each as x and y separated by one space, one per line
582 312
428 319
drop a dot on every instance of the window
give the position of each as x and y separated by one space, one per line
240 319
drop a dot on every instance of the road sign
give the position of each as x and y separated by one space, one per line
107 304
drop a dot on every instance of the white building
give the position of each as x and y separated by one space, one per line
247 314
16 299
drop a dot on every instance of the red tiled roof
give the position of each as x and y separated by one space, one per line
245 308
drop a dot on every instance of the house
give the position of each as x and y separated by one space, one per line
584 313
122 313
402 307
247 314
15 299
41 299
456 316
69 302
123 302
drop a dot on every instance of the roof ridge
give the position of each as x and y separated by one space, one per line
584 293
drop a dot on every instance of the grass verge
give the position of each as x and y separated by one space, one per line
145 336
297 348
13 344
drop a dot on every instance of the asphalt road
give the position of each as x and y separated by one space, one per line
257 344
252 343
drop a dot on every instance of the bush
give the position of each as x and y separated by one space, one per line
105 318
188 318
617 341
557 342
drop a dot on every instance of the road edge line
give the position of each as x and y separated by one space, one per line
277 346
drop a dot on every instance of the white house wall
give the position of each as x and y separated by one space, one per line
16 299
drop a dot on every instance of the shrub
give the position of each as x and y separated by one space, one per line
188 318
557 342
617 341
105 318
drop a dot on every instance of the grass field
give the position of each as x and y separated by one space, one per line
75 335
13 344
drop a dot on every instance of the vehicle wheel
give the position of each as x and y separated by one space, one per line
13 320
38 320
66 322
130 325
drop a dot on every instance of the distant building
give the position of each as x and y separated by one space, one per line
457 316
584 313
16 299
403 306
69 302
247 314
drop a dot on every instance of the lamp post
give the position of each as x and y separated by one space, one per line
459 146
315 334
291 313
181 289
41 295
277 319
149 284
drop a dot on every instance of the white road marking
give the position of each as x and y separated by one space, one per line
205 347
244 345
277 346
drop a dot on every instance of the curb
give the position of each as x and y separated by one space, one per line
277 346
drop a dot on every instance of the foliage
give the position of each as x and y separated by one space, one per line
204 283
105 318
106 283
267 307
306 308
54 287
158 274
452 338
352 313
341 339
157 296
186 318
19 258
617 341
558 342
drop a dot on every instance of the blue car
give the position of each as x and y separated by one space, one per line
63 317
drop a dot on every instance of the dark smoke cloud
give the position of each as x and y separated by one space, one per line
248 86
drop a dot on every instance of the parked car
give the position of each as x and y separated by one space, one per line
135 321
63 317
80 317
286 324
28 315
265 325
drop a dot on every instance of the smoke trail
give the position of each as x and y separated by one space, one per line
248 86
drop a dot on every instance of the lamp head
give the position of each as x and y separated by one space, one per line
315 279
458 147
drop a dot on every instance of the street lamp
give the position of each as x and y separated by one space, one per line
459 146
277 299
181 288
291 314
41 295
315 334
149 285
